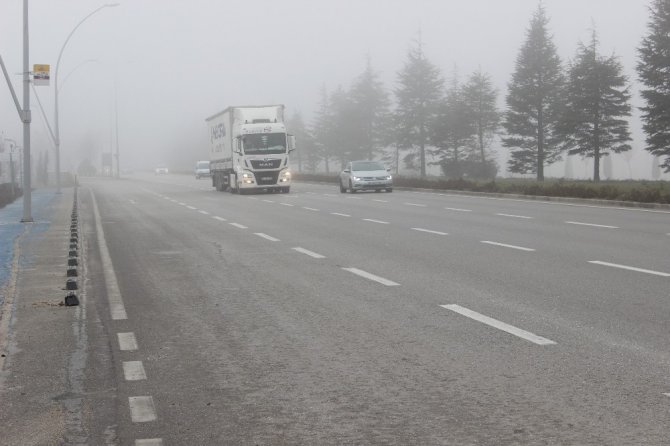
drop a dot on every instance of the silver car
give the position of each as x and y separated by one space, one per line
365 175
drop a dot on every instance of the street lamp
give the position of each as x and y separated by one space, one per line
57 136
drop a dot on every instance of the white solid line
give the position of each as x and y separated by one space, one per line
287 204
127 341
514 216
430 231
267 237
149 442
309 209
630 268
376 221
459 210
309 253
341 215
204 212
415 204
116 307
520 248
591 224
369 276
134 371
142 409
237 225
499 325
192 207
219 218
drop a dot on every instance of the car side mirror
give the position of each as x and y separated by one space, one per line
347 171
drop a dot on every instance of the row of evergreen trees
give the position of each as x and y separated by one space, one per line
551 110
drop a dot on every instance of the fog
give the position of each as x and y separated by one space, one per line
164 66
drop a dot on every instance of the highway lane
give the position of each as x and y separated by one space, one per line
316 353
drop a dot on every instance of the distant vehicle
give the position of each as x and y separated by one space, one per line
161 170
202 169
249 149
365 175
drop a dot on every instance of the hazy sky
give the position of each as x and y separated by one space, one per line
169 64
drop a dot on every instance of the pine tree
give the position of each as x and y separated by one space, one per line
597 98
322 129
481 97
533 101
453 132
653 68
418 95
371 104
305 152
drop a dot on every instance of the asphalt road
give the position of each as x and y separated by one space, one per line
404 318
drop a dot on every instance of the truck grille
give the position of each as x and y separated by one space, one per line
265 164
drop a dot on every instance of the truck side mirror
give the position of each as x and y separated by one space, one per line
291 143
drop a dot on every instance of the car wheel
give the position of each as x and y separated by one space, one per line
351 188
342 188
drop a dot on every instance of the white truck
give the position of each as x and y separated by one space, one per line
249 149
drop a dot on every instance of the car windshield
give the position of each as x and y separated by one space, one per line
366 166
265 143
203 165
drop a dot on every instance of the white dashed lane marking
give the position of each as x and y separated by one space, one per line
309 253
504 245
415 204
339 214
204 212
429 231
372 277
149 442
376 221
515 216
266 237
142 409
219 218
499 325
591 224
193 208
630 268
458 210
287 204
134 371
237 225
127 341
309 209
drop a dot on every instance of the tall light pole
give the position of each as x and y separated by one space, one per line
27 185
56 127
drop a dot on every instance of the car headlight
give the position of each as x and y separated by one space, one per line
389 177
357 178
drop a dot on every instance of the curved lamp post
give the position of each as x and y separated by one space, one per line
56 127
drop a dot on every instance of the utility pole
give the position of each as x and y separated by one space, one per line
26 118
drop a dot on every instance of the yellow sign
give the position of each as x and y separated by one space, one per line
41 74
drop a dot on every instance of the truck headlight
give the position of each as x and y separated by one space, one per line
284 176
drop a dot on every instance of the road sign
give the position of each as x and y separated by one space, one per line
41 75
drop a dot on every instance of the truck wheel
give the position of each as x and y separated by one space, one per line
234 183
286 190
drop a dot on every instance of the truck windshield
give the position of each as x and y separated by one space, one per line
264 143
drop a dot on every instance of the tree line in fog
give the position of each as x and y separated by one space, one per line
552 109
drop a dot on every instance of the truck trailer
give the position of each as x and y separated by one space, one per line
249 149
